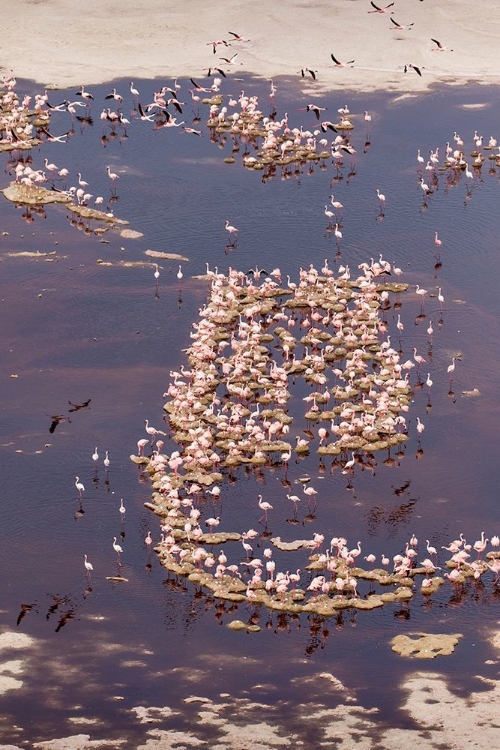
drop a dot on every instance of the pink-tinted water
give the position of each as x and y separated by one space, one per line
75 329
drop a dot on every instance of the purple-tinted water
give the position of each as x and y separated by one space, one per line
75 329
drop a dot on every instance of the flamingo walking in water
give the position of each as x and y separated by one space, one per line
88 565
117 549
232 230
265 506
79 486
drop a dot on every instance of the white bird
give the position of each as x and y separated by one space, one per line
95 455
81 182
430 550
117 547
106 460
179 273
265 506
232 230
420 292
310 491
88 565
122 508
329 214
157 272
79 486
152 431
112 175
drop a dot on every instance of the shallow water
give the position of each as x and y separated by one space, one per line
75 329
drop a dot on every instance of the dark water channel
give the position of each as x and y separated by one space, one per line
75 329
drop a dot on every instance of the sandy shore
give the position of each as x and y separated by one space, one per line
68 43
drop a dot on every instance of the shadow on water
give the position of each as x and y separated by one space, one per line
90 336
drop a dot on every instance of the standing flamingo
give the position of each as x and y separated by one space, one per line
117 549
88 565
381 198
265 506
451 369
232 230
79 486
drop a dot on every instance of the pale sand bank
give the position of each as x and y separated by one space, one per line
70 42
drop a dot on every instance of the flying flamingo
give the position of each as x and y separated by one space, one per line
440 47
378 9
339 63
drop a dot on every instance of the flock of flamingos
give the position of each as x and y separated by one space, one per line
255 338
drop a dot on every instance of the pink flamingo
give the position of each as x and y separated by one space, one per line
265 506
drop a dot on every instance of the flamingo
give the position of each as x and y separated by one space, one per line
232 230
112 175
430 550
440 47
451 368
339 63
421 293
141 444
265 506
79 486
480 545
378 9
117 548
81 182
329 215
84 94
88 565
381 198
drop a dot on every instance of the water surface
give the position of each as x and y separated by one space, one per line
75 329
